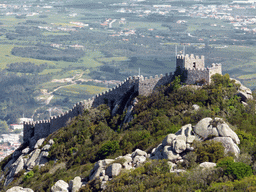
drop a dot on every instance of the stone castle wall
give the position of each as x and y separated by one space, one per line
147 86
137 85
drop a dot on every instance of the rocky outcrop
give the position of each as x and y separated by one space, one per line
228 144
19 189
207 165
27 159
60 186
175 146
75 184
244 92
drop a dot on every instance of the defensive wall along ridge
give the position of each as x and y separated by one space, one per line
193 68
137 85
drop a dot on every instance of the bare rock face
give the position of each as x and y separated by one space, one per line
114 169
39 143
32 160
168 140
207 165
60 186
19 189
179 144
139 152
170 154
228 144
244 92
99 167
225 131
203 128
75 184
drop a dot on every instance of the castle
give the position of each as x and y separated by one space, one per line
191 66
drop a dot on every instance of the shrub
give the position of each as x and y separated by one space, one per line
237 170
209 151
107 149
29 175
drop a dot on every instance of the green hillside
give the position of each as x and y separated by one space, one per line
97 135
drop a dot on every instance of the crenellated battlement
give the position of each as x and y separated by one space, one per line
192 66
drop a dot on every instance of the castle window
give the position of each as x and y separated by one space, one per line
194 65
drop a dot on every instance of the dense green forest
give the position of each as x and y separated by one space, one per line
97 135
18 89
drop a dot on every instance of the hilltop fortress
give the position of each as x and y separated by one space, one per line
192 67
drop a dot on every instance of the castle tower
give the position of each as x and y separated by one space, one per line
190 62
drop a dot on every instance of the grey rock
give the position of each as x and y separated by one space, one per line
178 171
32 160
191 138
139 152
46 147
225 131
7 181
15 168
195 107
188 130
42 158
244 95
179 144
244 103
19 189
114 169
127 165
76 184
106 177
39 143
169 154
25 151
168 140
204 128
228 144
172 165
207 165
98 167
139 159
51 142
60 186
189 148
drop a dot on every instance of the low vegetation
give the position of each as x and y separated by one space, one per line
97 135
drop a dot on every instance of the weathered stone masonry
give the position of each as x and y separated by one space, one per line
137 85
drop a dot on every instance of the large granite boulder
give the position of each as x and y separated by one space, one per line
32 160
19 189
179 144
168 140
60 186
204 128
139 152
75 184
170 154
207 165
228 144
225 131
99 167
114 169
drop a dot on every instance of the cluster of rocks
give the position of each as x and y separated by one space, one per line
27 159
106 169
73 186
244 92
175 146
